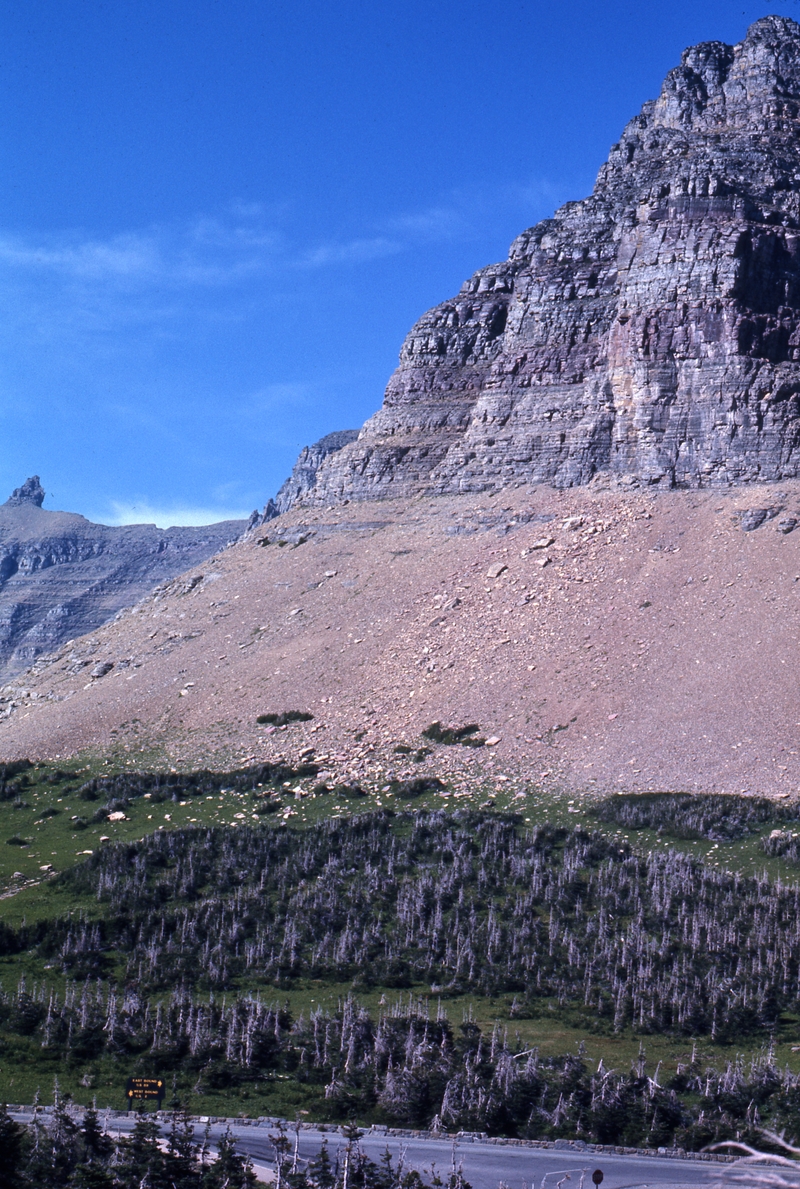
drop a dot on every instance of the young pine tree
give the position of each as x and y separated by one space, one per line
141 1160
230 1170
181 1163
55 1150
96 1151
321 1173
14 1144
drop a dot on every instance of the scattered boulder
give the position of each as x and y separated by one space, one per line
753 518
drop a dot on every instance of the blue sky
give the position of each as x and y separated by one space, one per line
219 219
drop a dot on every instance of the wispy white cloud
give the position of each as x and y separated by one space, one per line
250 240
123 256
462 214
87 294
434 224
142 512
354 251
207 251
275 398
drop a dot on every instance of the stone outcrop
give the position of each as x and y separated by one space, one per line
61 575
31 492
649 333
310 459
303 476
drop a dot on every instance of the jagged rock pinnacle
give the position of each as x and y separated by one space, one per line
31 492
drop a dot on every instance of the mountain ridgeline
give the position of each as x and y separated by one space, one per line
62 576
649 333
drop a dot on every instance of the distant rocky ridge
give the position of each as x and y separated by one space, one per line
648 334
62 576
303 476
310 459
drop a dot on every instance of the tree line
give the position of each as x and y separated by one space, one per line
62 1152
464 903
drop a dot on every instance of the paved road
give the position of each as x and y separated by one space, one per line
484 1165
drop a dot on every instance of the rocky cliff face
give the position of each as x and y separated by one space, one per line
62 576
303 476
304 472
649 333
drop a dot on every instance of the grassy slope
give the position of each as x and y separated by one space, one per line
54 841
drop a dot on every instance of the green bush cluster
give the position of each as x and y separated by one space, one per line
467 735
715 817
283 718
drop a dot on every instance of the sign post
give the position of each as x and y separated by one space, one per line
597 1176
142 1090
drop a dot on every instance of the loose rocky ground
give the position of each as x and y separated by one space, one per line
605 638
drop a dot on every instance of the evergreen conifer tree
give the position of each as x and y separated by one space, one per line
321 1172
142 1162
14 1143
182 1168
55 1149
95 1154
230 1170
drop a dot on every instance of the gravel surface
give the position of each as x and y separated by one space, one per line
601 638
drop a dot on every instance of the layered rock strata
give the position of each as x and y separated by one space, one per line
649 333
304 472
61 575
303 476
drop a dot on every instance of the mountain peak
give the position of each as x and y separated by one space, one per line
647 334
31 492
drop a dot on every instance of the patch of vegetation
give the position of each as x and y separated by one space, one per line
284 718
59 1153
716 817
349 792
169 952
403 1067
416 787
13 779
16 840
467 735
119 789
60 829
464 903
267 805
782 844
418 754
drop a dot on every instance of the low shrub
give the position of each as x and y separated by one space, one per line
467 735
284 718
417 786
